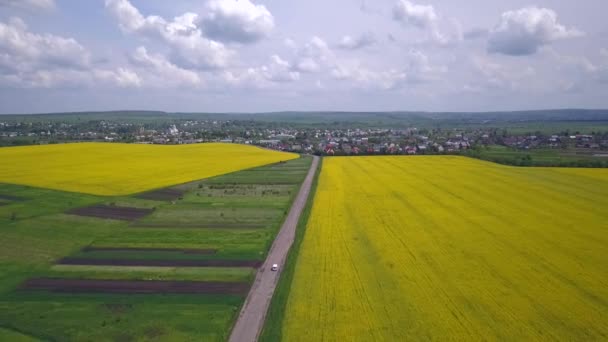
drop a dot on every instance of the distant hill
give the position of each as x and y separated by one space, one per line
324 118
125 115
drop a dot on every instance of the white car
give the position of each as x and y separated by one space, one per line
275 267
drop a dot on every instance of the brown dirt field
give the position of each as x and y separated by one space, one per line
134 286
166 263
111 212
162 194
177 225
143 249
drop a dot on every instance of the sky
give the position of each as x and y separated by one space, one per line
302 55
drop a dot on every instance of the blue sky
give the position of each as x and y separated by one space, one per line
255 55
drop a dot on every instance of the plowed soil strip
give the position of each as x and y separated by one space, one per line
111 212
143 249
166 263
134 286
162 195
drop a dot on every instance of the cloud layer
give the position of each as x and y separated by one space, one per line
396 53
29 4
237 21
182 34
524 31
34 60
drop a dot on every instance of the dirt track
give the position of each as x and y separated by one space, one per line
251 319
134 286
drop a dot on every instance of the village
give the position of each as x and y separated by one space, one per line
337 141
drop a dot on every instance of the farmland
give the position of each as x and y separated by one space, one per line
539 157
92 167
451 248
179 270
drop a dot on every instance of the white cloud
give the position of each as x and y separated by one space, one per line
579 64
417 69
317 47
524 31
182 34
307 65
35 60
355 43
604 52
162 72
121 77
290 43
311 57
493 75
29 4
362 77
579 69
408 13
71 78
278 70
237 21
314 55
25 50
422 17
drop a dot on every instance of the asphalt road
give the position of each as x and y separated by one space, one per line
250 322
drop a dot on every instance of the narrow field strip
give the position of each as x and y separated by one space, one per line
141 249
11 198
169 263
181 225
111 212
229 274
134 286
146 253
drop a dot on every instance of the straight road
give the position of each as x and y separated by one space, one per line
251 319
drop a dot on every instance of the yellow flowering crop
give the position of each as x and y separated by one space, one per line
120 169
451 248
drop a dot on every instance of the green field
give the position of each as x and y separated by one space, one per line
570 157
236 215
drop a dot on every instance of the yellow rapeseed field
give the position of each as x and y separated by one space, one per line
451 248
120 169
